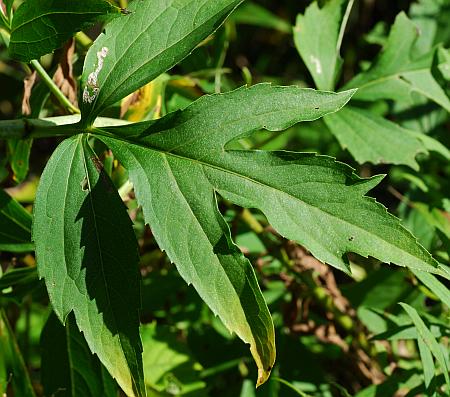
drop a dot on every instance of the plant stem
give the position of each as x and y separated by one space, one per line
54 88
290 386
33 128
344 25
49 127
47 79
83 39
251 221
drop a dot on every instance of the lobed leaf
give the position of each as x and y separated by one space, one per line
139 47
179 163
90 262
41 26
396 73
305 197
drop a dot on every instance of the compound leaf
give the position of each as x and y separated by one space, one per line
156 35
304 196
178 164
41 26
90 263
395 74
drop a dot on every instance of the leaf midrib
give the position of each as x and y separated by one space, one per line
206 164
169 169
394 76
100 251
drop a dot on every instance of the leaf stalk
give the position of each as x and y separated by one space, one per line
54 89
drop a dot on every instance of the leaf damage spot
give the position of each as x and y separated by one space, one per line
84 185
316 62
91 90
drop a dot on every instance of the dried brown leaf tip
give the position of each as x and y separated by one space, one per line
63 77
28 84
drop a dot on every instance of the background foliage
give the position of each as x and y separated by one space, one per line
337 334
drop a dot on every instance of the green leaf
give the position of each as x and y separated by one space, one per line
90 263
8 5
444 62
324 194
371 138
250 13
15 225
168 364
427 362
431 144
12 366
248 390
435 286
17 283
318 37
139 47
178 163
396 73
68 366
41 26
173 173
20 157
429 340
433 30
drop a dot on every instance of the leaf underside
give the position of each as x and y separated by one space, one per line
90 264
371 138
179 164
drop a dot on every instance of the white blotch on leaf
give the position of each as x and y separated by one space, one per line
91 90
317 64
